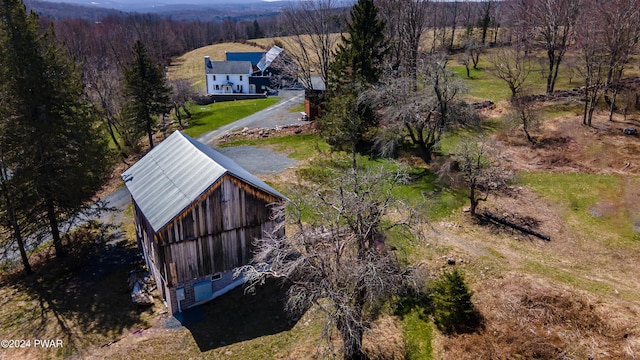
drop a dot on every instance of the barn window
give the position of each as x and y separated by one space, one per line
227 77
240 77
214 78
217 276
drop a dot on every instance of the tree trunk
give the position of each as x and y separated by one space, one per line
555 74
17 234
113 135
473 205
351 329
53 225
177 108
526 132
551 57
186 111
352 349
149 133
612 107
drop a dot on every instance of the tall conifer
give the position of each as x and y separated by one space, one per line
52 146
147 94
357 65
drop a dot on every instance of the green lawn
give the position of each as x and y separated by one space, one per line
207 118
299 147
580 193
482 85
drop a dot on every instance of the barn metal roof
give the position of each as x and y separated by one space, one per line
175 173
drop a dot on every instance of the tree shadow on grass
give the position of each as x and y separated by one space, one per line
82 298
236 317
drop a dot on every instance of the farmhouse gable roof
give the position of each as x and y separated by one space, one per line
175 173
228 67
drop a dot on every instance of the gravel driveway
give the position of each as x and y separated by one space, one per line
254 159
258 160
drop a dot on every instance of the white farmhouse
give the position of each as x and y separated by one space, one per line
228 77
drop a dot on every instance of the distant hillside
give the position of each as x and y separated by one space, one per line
194 10
57 11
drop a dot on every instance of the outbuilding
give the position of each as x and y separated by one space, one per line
197 214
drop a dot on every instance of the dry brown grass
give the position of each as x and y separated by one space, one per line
532 318
565 145
575 297
384 340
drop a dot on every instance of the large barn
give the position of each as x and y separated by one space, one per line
196 213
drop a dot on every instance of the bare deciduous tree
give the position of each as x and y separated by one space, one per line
621 18
511 65
313 26
523 114
486 12
595 60
476 159
406 21
551 21
103 84
181 93
335 258
423 113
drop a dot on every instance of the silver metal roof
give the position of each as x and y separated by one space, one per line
175 173
268 58
228 67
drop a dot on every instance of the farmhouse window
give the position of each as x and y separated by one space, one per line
227 77
240 77
214 78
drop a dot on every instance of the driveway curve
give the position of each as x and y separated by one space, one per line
274 115
254 159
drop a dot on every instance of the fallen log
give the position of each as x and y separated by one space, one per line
514 226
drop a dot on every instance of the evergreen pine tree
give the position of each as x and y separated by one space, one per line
53 147
358 59
453 308
356 66
147 93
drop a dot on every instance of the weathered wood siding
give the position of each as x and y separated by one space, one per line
216 232
145 236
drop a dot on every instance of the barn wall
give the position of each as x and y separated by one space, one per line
150 250
213 236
